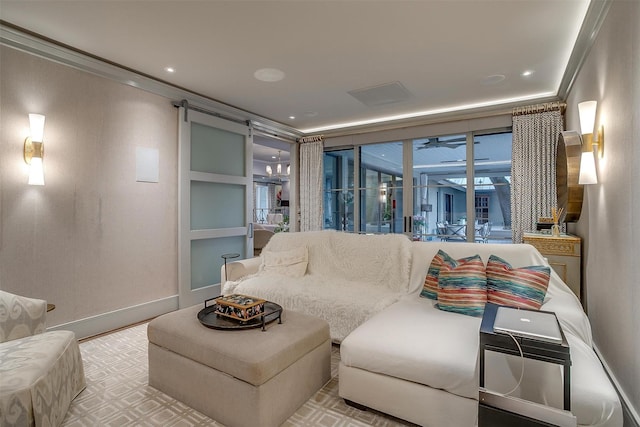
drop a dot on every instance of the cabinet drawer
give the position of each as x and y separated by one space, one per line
555 245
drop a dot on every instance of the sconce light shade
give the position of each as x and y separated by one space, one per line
36 172
587 169
34 149
587 112
269 170
36 123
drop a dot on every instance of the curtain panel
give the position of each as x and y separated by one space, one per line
311 161
533 166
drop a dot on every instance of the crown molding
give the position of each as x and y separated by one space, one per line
38 45
596 13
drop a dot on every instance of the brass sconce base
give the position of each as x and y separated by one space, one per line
32 149
590 141
600 141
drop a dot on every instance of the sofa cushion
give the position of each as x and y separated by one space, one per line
291 263
414 341
343 304
430 287
523 287
463 288
337 255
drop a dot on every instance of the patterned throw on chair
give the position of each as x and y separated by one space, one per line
40 372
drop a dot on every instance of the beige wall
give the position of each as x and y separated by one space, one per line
92 240
610 221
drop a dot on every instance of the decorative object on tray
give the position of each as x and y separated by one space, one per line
556 215
239 307
544 223
211 316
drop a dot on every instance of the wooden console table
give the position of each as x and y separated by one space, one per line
564 255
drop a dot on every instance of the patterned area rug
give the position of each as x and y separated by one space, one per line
118 393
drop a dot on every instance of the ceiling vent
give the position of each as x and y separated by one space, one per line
387 93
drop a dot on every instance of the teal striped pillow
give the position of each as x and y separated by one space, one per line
430 287
523 287
463 288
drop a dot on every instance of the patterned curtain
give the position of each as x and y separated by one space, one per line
273 199
533 165
311 160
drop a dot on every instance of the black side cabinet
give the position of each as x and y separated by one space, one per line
496 410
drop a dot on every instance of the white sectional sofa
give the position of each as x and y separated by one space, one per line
402 355
335 285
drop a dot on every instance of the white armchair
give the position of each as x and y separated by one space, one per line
40 372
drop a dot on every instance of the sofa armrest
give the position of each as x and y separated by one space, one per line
241 268
21 316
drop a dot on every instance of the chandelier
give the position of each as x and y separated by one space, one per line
278 168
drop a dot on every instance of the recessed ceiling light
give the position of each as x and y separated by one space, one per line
170 70
527 73
494 79
292 117
269 75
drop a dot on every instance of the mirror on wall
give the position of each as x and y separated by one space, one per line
570 192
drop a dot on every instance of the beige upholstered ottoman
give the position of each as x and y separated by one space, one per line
240 378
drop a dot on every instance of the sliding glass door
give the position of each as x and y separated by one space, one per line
339 204
381 188
215 201
420 187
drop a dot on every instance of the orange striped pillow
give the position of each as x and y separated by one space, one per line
523 287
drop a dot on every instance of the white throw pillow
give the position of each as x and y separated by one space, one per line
291 263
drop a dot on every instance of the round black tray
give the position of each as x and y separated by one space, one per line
209 318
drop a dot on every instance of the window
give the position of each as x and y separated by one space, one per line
482 208
420 187
262 203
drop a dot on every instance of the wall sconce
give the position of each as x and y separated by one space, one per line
34 149
587 112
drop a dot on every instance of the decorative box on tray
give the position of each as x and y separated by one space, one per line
239 307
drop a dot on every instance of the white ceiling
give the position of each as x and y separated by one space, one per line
446 54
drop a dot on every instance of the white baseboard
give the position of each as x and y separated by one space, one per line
105 322
630 412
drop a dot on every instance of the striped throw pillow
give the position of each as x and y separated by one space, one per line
523 287
463 288
430 287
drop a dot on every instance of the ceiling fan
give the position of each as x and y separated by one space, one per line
448 143
481 159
